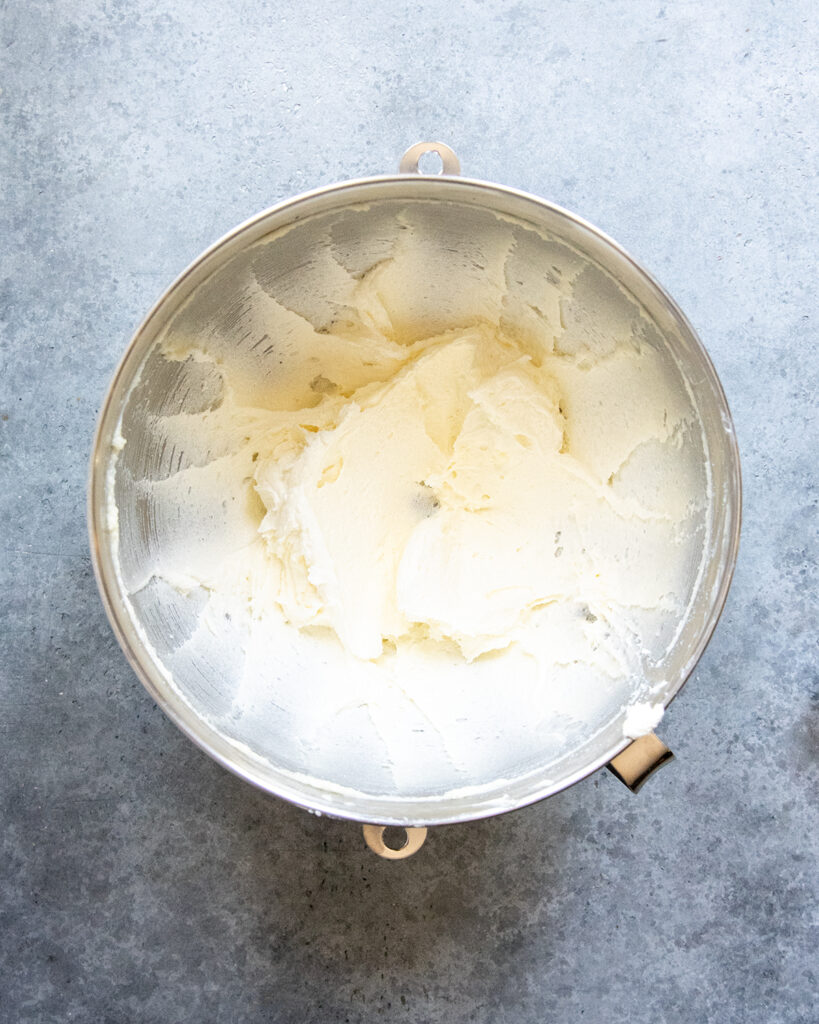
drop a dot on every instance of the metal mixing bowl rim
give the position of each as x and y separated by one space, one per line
286 785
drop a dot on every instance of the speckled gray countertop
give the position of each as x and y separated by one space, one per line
140 881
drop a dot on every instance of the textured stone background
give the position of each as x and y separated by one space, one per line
141 882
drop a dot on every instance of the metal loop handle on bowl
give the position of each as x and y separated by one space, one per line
450 164
413 841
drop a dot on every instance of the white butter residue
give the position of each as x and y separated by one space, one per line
641 719
376 494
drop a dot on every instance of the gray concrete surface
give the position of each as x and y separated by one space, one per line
141 882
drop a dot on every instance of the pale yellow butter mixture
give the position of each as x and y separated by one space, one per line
495 484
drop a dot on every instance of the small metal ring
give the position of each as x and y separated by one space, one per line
450 164
374 838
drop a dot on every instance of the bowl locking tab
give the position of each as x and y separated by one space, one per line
411 160
401 845
639 761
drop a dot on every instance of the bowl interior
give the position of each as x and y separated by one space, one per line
443 740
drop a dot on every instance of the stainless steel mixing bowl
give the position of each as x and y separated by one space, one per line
295 247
